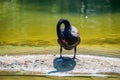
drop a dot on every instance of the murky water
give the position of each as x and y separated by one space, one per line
33 23
13 76
38 77
55 78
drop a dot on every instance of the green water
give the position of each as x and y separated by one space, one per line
33 23
28 76
55 78
38 28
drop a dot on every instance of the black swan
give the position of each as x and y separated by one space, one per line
68 36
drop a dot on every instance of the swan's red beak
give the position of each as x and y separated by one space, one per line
64 41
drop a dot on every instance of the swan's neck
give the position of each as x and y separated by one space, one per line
67 27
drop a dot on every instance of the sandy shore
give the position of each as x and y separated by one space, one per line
51 64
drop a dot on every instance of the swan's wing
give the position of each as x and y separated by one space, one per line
74 31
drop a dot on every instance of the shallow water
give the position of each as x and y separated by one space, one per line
23 77
36 76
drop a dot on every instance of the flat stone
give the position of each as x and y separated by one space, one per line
52 64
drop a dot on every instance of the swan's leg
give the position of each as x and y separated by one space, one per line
74 53
60 51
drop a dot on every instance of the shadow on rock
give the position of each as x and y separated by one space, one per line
63 64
